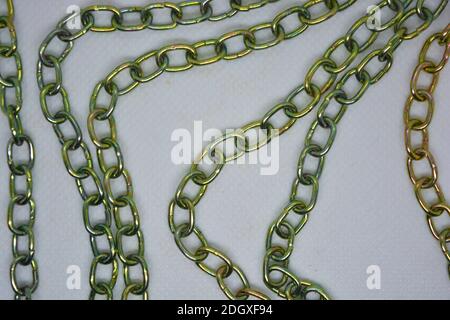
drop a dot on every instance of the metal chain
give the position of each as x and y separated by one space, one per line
307 182
214 153
300 205
421 152
202 179
112 202
288 285
21 178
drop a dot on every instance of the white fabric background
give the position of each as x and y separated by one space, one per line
366 213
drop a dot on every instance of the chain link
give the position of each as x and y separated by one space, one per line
420 152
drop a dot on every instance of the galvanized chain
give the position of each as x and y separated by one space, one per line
113 202
288 285
175 12
417 127
21 178
300 204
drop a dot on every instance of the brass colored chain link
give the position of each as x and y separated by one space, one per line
21 178
421 153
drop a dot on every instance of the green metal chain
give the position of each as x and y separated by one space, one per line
277 257
287 284
113 202
113 228
21 178
193 58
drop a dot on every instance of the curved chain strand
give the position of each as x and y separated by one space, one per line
288 284
213 152
162 62
111 202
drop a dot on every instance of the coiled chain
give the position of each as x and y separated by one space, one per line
417 127
21 178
